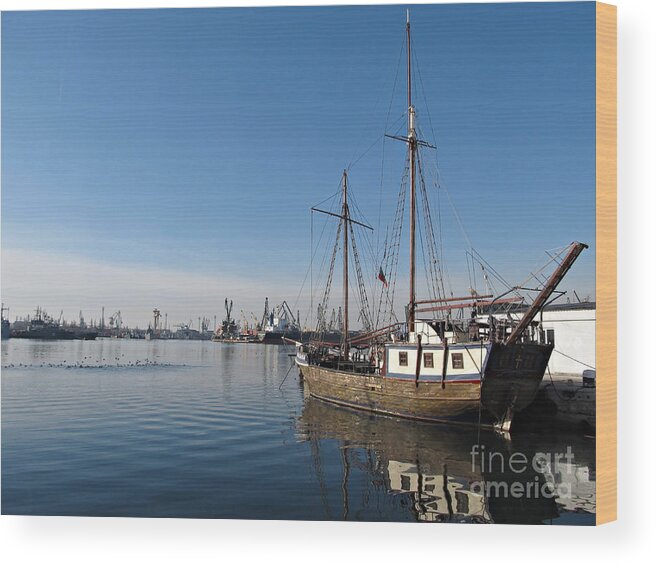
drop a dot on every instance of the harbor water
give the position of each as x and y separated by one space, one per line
197 429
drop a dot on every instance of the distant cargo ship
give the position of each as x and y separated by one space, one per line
278 327
43 329
280 324
43 326
83 333
6 327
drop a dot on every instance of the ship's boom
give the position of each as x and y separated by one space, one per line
547 291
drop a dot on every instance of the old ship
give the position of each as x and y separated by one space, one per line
478 370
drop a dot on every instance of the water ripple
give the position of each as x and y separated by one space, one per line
199 429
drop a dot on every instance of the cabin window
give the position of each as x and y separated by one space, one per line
403 358
551 337
457 362
428 360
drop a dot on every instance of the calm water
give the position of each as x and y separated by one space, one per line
202 429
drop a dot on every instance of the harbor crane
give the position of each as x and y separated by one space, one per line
115 320
244 320
228 310
156 316
265 315
286 312
228 327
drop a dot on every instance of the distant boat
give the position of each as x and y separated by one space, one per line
6 326
86 334
229 331
43 326
280 324
478 371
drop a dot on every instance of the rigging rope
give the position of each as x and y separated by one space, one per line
385 310
364 306
326 296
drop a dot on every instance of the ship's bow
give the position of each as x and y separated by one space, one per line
511 378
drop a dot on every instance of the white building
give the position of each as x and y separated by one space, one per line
571 328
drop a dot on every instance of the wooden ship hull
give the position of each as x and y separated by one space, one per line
511 377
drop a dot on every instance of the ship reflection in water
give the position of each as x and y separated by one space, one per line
446 474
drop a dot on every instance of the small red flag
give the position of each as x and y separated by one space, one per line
381 277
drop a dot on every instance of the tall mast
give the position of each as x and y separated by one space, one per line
412 149
345 215
345 222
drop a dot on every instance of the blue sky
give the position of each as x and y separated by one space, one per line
168 158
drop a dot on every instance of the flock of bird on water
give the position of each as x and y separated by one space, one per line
99 364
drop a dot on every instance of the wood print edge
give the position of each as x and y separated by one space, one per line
606 261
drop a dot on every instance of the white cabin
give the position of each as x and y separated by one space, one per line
464 361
